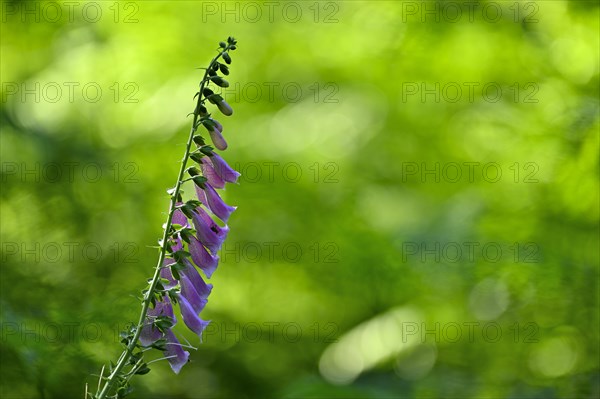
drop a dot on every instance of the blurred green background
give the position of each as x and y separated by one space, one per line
418 211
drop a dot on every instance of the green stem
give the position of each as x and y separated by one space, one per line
126 355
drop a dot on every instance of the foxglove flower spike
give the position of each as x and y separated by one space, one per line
176 280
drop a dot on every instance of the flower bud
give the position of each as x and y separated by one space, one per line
217 125
217 139
219 81
227 58
225 109
224 69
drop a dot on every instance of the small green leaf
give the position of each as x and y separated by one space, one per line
193 171
160 345
144 369
207 150
180 255
199 140
134 358
163 323
186 234
174 272
124 390
196 157
207 92
208 123
200 180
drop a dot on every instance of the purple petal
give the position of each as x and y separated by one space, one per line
179 217
202 258
213 201
217 124
201 195
165 308
198 283
176 355
150 333
165 272
226 172
209 233
209 172
190 318
191 295
178 244
218 139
